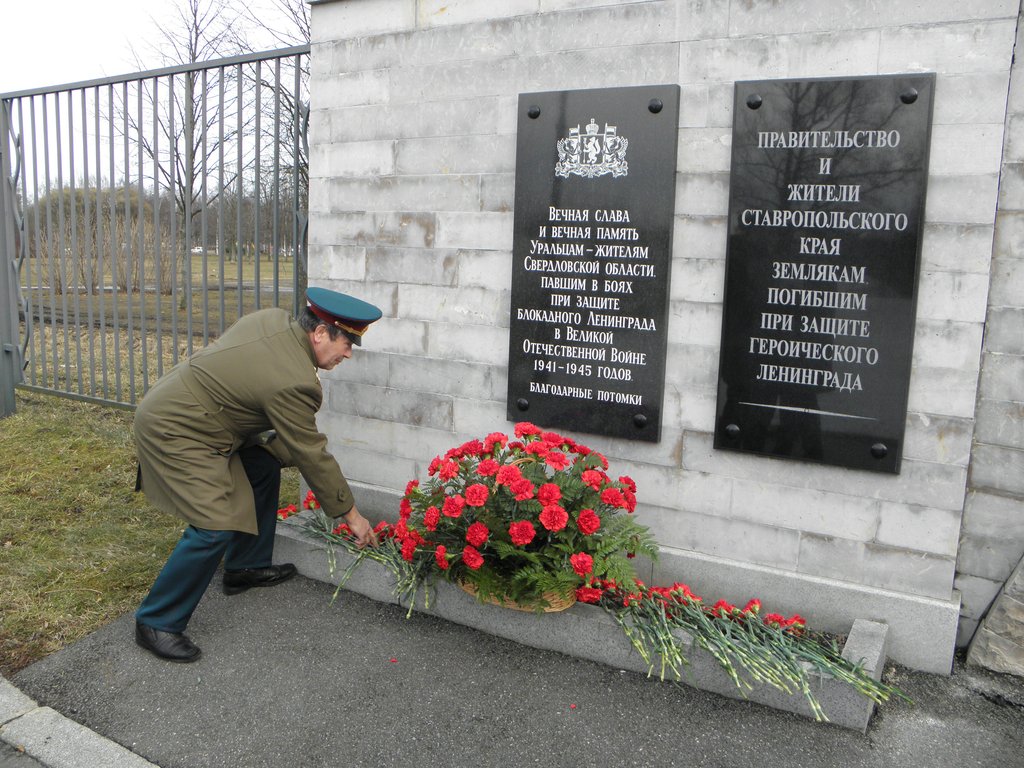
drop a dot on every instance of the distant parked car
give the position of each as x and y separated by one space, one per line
199 249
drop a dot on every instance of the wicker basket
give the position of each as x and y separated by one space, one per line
556 602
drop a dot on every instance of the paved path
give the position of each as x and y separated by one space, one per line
288 679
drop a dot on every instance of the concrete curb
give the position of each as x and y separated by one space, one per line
53 740
585 631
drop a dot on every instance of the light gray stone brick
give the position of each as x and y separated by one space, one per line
691 365
942 391
996 653
922 529
703 20
700 237
831 557
413 120
399 336
941 439
337 262
998 468
1001 377
948 344
916 573
355 18
381 228
478 418
1009 237
804 55
1011 188
405 193
383 295
961 199
965 148
973 97
693 110
351 89
989 557
693 323
1000 423
497 192
976 594
469 343
1014 152
952 296
1007 281
481 231
696 279
697 409
420 266
603 25
416 408
954 48
484 269
957 248
436 13
367 366
704 150
804 509
445 377
809 16
476 306
965 632
703 194
987 513
355 158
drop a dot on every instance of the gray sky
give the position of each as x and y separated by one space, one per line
52 42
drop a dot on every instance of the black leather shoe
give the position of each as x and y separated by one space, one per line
172 646
239 581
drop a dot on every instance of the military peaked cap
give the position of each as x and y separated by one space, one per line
351 315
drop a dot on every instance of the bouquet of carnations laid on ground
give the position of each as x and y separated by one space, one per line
537 523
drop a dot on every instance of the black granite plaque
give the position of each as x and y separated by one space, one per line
595 197
826 208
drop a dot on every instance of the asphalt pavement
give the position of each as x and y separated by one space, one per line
290 679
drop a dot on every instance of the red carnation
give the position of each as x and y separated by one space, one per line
487 467
408 548
554 518
431 517
404 508
508 474
494 439
411 485
477 534
525 428
588 522
556 460
522 532
453 506
582 563
522 489
310 501
476 495
538 448
549 493
435 464
449 469
613 497
472 558
593 478
440 555
630 501
588 594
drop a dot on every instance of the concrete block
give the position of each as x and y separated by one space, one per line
445 377
390 404
831 558
998 468
353 158
953 296
433 267
941 439
985 513
698 279
1014 152
704 150
337 262
1006 619
803 509
965 148
356 18
943 391
912 572
992 556
45 735
948 344
472 344
435 13
497 192
484 269
957 248
996 653
434 304
351 89
690 365
693 323
809 16
955 48
1001 423
1009 238
477 231
476 418
588 632
401 193
413 120
693 110
697 409
13 703
965 632
922 529
922 630
704 20
961 199
1011 187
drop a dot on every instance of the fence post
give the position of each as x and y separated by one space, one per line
10 357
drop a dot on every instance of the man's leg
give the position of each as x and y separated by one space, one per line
247 562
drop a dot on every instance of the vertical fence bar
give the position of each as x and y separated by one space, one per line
39 285
114 281
296 160
62 248
203 218
74 253
140 218
158 293
220 197
172 187
87 253
239 189
277 183
100 272
187 198
10 368
129 246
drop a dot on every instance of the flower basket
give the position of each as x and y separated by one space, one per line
552 602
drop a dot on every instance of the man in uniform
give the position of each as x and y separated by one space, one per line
201 435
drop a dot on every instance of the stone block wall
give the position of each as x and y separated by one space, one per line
412 186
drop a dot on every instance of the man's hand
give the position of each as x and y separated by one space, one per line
361 528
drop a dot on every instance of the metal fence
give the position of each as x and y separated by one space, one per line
141 215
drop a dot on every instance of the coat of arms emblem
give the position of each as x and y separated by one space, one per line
590 153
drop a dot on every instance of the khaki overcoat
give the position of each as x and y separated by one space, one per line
259 375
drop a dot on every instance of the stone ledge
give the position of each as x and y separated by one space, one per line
587 632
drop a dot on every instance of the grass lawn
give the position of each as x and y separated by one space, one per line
78 548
